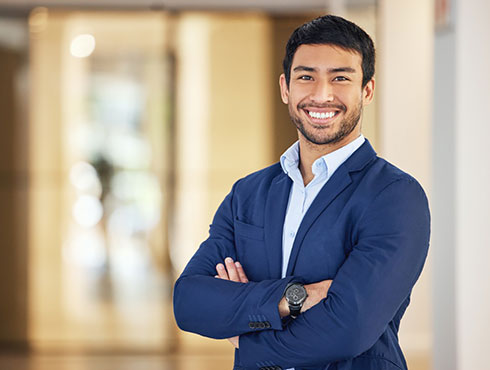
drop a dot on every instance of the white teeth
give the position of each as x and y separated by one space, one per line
321 115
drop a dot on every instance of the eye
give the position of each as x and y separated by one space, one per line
341 78
305 78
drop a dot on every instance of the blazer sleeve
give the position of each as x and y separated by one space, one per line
219 308
366 293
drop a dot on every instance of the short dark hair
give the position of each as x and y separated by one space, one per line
334 30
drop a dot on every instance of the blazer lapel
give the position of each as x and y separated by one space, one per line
334 186
339 181
275 212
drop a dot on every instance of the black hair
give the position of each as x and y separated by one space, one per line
333 30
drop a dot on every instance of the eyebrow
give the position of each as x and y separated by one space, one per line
329 70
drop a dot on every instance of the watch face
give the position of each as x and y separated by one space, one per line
295 294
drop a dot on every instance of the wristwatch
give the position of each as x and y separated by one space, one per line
295 295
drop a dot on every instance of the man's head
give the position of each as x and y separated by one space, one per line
332 30
327 80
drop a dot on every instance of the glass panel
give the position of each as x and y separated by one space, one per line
114 284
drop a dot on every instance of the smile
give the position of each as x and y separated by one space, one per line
322 115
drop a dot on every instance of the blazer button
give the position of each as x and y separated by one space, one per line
261 325
252 324
267 324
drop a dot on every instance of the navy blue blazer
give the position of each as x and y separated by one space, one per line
368 230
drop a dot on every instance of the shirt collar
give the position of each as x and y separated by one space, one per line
290 158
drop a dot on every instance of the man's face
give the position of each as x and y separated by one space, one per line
325 95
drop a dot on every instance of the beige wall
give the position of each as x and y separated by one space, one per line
405 58
223 126
461 183
45 154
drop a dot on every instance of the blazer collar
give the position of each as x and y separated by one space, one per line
360 158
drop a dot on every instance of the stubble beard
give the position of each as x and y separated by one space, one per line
347 125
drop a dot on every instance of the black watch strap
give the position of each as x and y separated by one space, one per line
294 311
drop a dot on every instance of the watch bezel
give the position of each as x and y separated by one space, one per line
292 302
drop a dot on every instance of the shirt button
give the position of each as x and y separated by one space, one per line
291 234
318 164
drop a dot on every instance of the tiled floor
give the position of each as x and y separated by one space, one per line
132 362
113 362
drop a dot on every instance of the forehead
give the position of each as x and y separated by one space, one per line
326 56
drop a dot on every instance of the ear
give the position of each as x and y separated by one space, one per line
284 89
368 92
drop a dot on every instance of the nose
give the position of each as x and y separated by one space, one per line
322 92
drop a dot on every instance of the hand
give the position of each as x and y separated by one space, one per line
316 292
232 271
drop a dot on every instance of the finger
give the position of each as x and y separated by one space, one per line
241 272
231 269
234 341
327 285
220 269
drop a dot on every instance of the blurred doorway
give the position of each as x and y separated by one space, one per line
100 158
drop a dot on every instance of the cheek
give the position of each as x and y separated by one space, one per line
351 99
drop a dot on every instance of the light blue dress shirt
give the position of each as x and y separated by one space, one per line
300 196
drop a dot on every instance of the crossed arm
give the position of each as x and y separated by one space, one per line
367 291
233 271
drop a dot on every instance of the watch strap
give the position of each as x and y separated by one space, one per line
294 311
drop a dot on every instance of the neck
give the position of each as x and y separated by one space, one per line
310 152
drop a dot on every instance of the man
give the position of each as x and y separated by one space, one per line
310 262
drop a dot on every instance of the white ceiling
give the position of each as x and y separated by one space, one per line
285 6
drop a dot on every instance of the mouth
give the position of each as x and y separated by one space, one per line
321 116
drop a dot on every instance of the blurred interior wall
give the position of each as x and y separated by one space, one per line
72 304
45 203
13 202
404 87
461 242
223 123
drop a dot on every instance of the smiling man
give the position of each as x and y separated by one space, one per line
310 262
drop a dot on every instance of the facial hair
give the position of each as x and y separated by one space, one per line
347 125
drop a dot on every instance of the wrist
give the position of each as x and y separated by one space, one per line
283 308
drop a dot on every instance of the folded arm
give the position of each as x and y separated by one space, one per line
233 271
219 308
366 293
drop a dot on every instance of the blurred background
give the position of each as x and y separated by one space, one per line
123 124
